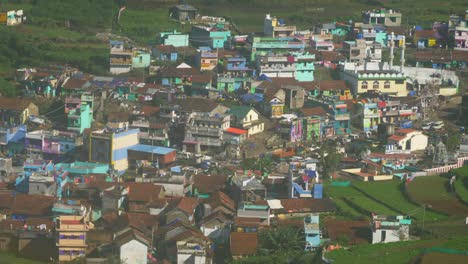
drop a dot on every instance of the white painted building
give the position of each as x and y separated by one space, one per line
134 251
408 139
387 229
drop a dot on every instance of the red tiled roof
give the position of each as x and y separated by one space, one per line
209 184
405 131
32 204
16 104
149 110
331 85
186 204
164 49
310 111
331 56
236 131
243 243
74 84
219 198
293 82
427 34
306 206
143 192
396 138
201 78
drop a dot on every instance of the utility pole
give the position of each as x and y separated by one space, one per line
424 215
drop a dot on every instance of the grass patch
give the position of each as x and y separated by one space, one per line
8 258
391 194
461 188
434 191
143 26
357 201
399 252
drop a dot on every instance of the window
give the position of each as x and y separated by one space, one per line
141 59
364 85
387 85
375 85
400 81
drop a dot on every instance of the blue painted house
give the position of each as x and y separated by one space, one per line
236 75
312 232
339 121
165 53
12 139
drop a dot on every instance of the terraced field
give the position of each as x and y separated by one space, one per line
355 203
434 192
391 194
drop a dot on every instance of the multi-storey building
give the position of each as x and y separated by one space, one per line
110 146
312 232
79 119
311 127
459 29
360 51
71 237
385 17
205 130
370 115
262 46
215 36
206 59
299 66
120 58
373 33
236 75
276 28
339 117
389 82
53 145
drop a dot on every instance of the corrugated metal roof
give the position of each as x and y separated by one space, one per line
152 149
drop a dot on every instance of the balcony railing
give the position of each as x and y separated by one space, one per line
234 79
341 117
54 149
72 227
391 113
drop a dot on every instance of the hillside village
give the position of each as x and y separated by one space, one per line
221 146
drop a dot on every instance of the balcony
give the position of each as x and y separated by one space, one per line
392 103
52 149
71 223
279 45
278 69
371 114
205 131
87 98
342 117
233 79
206 141
71 243
406 112
391 113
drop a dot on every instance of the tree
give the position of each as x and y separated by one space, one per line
453 140
7 88
282 239
329 158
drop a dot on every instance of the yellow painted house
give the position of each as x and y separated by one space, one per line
381 81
